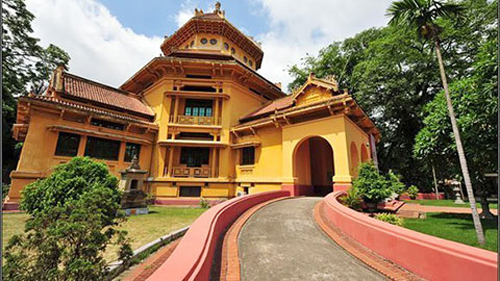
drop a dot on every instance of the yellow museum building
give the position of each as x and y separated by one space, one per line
201 120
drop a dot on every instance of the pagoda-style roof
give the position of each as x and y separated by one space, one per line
212 23
222 65
72 87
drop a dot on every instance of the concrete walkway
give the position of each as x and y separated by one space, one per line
281 241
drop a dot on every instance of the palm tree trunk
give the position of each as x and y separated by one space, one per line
460 149
435 182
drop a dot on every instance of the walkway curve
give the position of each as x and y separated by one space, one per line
281 241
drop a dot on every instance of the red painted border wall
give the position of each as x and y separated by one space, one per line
193 257
423 196
427 256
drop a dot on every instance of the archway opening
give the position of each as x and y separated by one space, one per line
313 166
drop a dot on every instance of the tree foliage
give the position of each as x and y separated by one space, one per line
73 217
476 106
26 66
393 74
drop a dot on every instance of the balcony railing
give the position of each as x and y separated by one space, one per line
193 120
189 172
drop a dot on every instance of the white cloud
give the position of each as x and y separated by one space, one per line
307 26
101 48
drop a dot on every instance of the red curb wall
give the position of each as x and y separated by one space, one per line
193 257
428 256
422 196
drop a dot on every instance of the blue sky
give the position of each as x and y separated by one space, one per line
157 17
110 40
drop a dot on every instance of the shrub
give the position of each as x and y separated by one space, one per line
353 199
204 203
5 190
150 198
372 186
395 183
73 217
412 191
390 218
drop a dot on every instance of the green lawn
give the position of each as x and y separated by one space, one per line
447 203
141 229
456 227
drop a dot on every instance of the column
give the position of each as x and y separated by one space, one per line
214 162
216 111
170 161
176 109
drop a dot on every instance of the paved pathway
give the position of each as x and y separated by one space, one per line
281 241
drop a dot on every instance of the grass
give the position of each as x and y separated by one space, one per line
141 229
447 203
456 227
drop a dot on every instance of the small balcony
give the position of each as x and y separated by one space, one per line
194 120
190 172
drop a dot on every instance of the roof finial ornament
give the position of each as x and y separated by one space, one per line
198 12
332 80
218 11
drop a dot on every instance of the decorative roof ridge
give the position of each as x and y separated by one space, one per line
88 108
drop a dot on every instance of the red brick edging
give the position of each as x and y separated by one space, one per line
142 271
376 262
230 261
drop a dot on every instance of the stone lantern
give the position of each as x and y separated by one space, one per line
134 199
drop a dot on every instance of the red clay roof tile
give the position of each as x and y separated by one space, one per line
271 107
81 88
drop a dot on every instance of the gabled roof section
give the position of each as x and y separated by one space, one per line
212 23
328 82
73 87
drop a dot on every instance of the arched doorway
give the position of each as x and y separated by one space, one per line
313 166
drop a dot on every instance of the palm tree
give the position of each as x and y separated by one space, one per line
421 15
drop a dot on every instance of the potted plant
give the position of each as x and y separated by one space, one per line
372 186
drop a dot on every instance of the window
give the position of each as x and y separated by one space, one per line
248 156
67 144
191 44
213 41
245 59
233 51
131 150
198 88
134 184
250 63
203 41
106 124
102 148
198 108
190 191
194 156
226 46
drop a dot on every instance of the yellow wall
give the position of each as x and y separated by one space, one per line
38 158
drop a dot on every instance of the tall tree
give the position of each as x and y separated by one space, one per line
26 67
476 104
422 15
